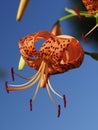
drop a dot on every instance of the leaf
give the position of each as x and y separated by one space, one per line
93 55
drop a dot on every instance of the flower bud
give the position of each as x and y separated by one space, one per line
21 9
56 29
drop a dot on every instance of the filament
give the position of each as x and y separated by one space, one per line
16 87
50 95
22 76
36 91
91 30
30 83
59 108
20 85
54 90
43 70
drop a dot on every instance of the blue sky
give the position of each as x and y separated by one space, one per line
79 85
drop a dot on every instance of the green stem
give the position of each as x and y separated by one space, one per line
97 20
73 13
93 55
66 17
87 53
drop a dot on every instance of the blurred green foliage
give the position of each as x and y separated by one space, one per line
84 24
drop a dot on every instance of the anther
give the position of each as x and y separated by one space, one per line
12 73
64 99
6 85
30 104
59 110
84 37
77 12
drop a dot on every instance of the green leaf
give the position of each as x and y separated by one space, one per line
70 11
93 55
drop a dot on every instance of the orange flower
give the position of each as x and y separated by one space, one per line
91 6
57 54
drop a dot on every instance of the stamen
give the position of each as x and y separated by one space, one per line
23 86
30 104
6 85
31 100
28 84
50 86
77 12
64 99
50 95
12 73
36 91
59 110
84 37
43 68
20 76
91 30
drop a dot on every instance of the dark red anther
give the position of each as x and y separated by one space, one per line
59 110
77 12
12 73
64 99
84 37
6 85
30 104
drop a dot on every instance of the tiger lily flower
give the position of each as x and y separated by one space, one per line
56 55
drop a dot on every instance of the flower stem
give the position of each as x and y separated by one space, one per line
73 13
